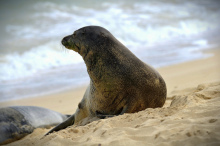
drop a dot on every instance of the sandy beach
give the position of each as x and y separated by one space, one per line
190 116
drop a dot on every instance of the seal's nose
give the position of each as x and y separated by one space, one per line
64 41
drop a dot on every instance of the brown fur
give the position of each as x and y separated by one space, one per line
120 82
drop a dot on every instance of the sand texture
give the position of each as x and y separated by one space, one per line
190 116
191 119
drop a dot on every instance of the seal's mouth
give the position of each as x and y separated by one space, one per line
77 46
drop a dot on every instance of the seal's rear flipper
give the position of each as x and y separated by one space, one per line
68 122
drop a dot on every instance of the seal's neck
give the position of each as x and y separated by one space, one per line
109 65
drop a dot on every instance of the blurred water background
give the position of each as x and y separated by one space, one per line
161 33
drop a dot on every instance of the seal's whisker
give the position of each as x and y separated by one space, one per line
63 49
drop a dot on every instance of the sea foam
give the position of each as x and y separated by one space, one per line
46 56
160 33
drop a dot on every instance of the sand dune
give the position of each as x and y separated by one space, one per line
191 119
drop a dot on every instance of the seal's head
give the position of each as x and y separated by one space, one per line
86 38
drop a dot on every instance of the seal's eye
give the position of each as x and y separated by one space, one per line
74 33
83 31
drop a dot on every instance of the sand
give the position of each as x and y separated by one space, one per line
190 116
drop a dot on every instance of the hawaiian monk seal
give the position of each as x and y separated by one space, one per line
18 121
120 82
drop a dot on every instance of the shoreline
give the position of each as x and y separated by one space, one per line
190 115
190 74
43 84
177 77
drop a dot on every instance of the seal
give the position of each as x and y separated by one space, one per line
119 81
18 121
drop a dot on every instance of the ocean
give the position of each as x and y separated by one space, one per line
161 33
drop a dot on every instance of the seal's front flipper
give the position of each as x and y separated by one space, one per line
68 122
103 115
100 116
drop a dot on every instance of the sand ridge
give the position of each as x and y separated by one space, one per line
192 119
